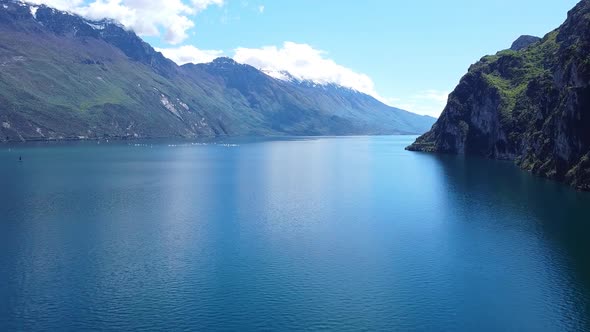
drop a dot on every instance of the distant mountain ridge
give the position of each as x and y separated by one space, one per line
530 104
66 77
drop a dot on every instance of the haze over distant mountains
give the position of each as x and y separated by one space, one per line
65 77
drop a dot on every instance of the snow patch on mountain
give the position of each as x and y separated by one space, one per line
33 10
286 76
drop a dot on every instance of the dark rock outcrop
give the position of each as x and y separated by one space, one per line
523 42
531 105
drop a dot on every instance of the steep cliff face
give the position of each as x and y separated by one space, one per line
530 105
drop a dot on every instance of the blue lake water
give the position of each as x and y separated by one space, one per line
350 233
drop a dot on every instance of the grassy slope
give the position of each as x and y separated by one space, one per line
63 85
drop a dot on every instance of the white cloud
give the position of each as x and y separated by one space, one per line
304 63
201 5
261 9
428 102
58 4
190 54
171 19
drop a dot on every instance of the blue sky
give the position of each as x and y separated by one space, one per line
410 54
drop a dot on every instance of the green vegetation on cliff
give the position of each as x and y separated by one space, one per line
530 104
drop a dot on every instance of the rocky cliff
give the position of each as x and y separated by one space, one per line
530 104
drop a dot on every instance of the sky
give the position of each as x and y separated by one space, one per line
407 53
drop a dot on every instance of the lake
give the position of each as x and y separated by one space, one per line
336 233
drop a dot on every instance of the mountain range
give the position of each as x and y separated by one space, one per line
66 77
530 104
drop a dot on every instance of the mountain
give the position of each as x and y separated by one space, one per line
66 77
530 105
304 108
523 42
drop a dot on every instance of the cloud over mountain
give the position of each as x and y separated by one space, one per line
304 62
189 54
171 19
